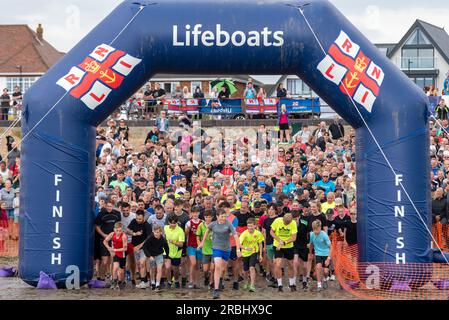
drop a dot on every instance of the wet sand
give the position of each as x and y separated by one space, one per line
16 289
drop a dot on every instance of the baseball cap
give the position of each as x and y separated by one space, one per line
160 183
196 209
262 184
303 158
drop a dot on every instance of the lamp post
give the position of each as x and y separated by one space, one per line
409 63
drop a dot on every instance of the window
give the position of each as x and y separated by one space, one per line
193 86
422 82
418 58
297 87
418 38
24 83
169 87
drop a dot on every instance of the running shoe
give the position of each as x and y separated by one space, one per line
293 288
177 285
235 285
246 286
304 286
280 289
325 284
332 278
153 286
216 294
252 288
157 289
190 286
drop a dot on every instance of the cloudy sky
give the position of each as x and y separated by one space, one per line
68 21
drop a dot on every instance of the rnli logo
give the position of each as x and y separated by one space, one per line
355 74
101 72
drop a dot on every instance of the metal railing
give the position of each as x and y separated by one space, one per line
414 63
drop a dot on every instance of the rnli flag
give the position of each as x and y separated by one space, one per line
98 75
349 68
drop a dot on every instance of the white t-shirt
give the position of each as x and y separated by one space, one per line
126 221
5 174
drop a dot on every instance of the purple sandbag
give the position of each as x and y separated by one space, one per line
352 284
400 286
441 284
96 284
45 281
7 272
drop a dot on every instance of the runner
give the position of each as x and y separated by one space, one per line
284 232
251 243
194 254
221 230
266 228
139 230
118 252
300 248
208 263
176 238
104 225
320 242
127 217
154 247
234 258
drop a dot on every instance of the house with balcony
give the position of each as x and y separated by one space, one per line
422 54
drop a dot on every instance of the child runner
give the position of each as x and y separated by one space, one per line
175 237
284 232
154 247
221 230
251 244
118 252
193 252
321 244
208 264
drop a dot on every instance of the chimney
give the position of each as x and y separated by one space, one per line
40 32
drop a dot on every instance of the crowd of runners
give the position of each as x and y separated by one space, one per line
187 210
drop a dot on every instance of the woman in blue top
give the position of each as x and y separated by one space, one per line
320 242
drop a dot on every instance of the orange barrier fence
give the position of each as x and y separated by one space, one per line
389 281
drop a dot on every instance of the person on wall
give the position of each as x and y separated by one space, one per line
284 126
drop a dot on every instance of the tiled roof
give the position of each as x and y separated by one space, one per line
20 46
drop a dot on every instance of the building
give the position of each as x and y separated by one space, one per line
422 54
24 56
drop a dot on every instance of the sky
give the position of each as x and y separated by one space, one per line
66 22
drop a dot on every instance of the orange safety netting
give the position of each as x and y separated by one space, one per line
9 239
389 281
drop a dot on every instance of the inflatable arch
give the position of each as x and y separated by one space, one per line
142 38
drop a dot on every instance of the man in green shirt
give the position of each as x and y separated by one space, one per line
119 182
208 263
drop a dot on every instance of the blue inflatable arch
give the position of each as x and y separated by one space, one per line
141 38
